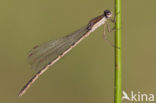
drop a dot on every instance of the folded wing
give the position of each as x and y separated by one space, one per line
44 54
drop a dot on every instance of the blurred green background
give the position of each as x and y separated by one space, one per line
86 74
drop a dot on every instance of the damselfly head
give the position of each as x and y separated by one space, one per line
107 13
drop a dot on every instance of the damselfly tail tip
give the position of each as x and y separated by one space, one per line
21 93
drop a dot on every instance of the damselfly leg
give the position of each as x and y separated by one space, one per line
106 25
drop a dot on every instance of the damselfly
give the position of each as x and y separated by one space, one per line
45 55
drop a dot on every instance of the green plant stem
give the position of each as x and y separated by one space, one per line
118 60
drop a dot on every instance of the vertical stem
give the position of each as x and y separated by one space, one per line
118 60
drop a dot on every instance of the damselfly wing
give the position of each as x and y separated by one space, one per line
43 55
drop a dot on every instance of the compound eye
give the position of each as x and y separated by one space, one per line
107 13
